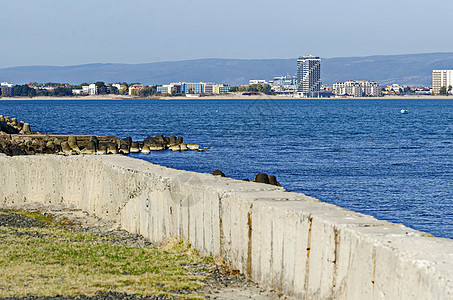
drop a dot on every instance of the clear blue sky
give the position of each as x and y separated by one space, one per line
68 32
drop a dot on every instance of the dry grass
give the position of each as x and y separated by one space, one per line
52 261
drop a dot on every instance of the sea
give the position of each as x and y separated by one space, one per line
360 154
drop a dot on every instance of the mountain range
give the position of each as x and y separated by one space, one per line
410 69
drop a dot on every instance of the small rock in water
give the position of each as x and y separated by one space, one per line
145 149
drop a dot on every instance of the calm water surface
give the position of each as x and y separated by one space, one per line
363 155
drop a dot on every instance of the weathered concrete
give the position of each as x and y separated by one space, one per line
283 240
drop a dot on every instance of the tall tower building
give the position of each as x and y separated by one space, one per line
308 76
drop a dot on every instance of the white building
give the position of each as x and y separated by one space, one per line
284 85
258 81
358 88
91 89
308 76
220 89
165 89
442 78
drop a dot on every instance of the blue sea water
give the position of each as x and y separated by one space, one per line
363 155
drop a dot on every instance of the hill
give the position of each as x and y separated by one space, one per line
412 69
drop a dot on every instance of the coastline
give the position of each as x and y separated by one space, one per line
231 96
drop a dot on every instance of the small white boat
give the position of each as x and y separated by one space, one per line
404 111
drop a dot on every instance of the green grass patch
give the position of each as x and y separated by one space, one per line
49 261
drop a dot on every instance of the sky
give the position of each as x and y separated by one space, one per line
72 32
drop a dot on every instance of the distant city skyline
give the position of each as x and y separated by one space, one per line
62 33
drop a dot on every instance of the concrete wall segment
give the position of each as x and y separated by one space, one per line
283 240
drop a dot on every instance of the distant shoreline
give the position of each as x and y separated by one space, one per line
235 96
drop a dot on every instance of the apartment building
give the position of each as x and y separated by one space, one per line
442 78
308 76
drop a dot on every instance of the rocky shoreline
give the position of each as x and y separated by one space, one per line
16 138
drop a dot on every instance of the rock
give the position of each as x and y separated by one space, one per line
175 148
179 140
112 148
127 141
72 142
193 146
94 142
14 122
90 148
124 148
172 140
26 129
166 140
156 147
160 139
2 118
149 140
245 179
262 177
218 173
145 149
273 180
5 127
183 147
102 150
66 148
134 148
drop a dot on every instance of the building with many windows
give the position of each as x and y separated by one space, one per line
442 78
6 89
360 88
308 76
284 85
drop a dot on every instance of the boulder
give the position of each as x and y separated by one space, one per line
26 129
66 148
262 177
175 148
94 142
273 180
179 140
156 147
72 142
112 148
127 141
172 140
102 150
193 146
149 140
218 173
145 149
124 148
183 147
90 148
134 148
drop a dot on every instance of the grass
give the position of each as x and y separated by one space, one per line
50 260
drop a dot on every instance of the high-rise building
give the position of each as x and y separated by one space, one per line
442 78
308 76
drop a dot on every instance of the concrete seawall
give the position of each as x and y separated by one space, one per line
283 240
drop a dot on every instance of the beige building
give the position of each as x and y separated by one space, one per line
442 78
358 88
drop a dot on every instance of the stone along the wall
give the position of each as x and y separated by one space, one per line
283 240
